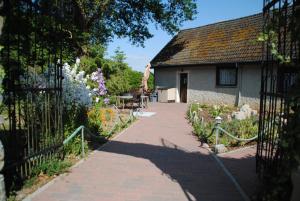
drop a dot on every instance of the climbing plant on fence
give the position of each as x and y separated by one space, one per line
278 142
33 42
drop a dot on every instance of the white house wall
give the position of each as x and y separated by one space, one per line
251 79
165 78
202 84
203 88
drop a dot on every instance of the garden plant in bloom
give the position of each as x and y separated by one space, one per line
76 92
74 84
101 90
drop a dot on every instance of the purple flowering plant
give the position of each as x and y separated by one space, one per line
101 90
106 101
97 76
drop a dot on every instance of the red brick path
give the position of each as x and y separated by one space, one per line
241 164
156 159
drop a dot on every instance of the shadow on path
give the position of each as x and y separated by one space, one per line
197 173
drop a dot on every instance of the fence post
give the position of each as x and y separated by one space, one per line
217 135
82 142
2 183
218 120
296 185
219 148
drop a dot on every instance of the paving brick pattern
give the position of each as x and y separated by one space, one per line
156 159
241 164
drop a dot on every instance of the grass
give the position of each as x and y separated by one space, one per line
51 167
41 174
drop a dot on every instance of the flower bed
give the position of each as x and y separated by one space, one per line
202 118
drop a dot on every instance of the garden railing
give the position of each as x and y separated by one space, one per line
76 132
217 129
84 130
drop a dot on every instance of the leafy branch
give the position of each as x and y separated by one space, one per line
271 37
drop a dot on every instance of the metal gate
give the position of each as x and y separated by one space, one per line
280 81
32 58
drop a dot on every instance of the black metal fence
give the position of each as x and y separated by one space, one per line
32 58
280 83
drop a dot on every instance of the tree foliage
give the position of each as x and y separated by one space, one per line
93 59
120 77
83 28
101 20
132 16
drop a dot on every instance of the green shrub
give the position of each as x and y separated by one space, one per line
245 129
193 107
74 146
72 120
218 110
118 84
203 131
51 167
102 120
93 59
126 81
113 99
75 117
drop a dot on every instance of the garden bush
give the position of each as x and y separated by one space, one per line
203 127
74 146
244 129
126 81
51 167
118 84
204 131
218 110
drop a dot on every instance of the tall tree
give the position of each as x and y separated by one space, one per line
97 21
101 20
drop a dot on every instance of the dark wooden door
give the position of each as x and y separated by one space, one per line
183 87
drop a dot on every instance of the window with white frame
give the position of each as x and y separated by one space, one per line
226 76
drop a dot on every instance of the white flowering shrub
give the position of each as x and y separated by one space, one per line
74 85
75 90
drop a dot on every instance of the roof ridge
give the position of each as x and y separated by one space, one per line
221 22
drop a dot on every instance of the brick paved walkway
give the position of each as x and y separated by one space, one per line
241 164
156 159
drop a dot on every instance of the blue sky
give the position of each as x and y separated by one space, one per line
209 11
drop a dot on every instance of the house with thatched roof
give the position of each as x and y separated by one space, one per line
217 63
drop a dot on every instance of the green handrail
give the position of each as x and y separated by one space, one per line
236 138
72 135
103 139
66 141
195 119
82 129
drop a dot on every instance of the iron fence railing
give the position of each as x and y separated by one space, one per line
33 46
279 75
